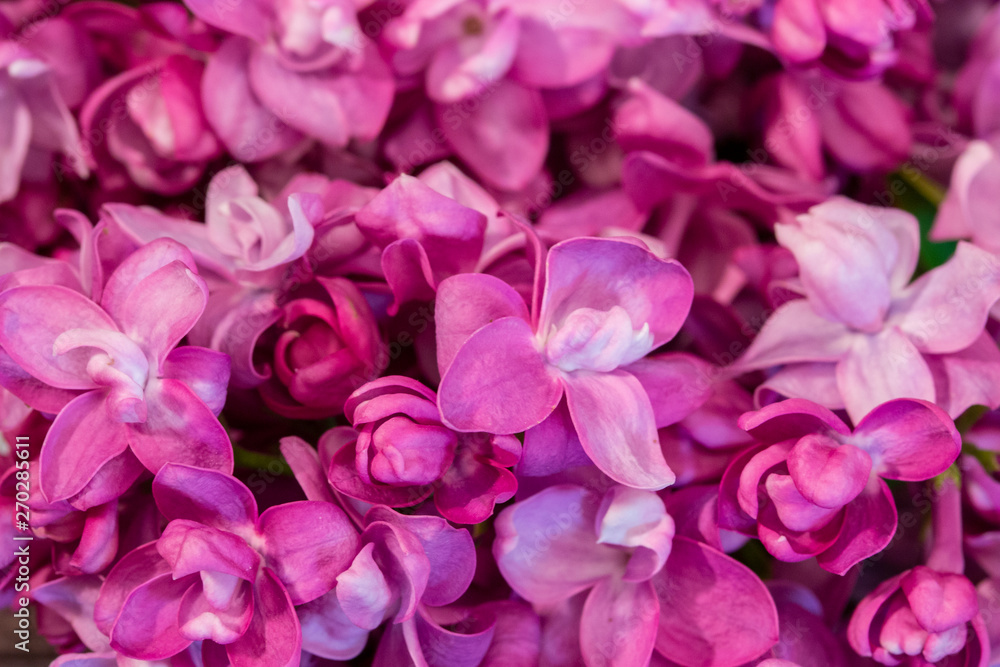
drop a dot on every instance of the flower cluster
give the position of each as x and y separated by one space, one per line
499 333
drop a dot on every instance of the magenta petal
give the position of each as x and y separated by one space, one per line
869 524
307 544
98 541
677 384
498 382
206 496
538 536
798 32
81 440
199 620
714 611
472 487
190 547
552 446
33 392
136 268
363 593
33 317
408 272
204 371
449 550
793 418
252 19
601 273
619 623
305 464
179 428
134 568
827 473
617 428
273 636
502 135
909 440
466 303
450 648
967 377
147 627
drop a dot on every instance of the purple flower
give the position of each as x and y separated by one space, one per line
814 488
645 587
123 396
864 334
921 613
604 305
401 453
966 211
223 573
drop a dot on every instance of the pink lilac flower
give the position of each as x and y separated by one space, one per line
648 588
289 70
864 334
402 453
812 487
223 573
125 397
604 305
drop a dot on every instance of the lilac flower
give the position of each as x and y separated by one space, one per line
648 588
965 212
36 122
814 488
402 453
292 69
223 573
922 613
605 305
244 248
407 567
149 122
126 398
864 334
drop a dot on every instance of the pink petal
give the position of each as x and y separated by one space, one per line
307 544
327 632
865 127
81 440
273 636
714 612
190 547
795 333
798 32
199 620
869 524
471 487
135 269
939 600
203 371
538 536
206 496
135 568
552 446
333 105
827 473
33 317
793 418
967 377
909 440
619 623
617 428
794 511
880 368
179 428
550 55
498 382
601 273
147 626
466 303
464 644
363 593
73 598
677 384
502 134
249 130
946 309
457 72
253 20
305 464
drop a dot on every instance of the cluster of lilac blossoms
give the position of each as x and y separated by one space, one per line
499 333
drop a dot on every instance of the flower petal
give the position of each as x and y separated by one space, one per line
147 626
617 428
795 333
869 524
273 636
714 612
909 440
619 623
207 496
498 382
